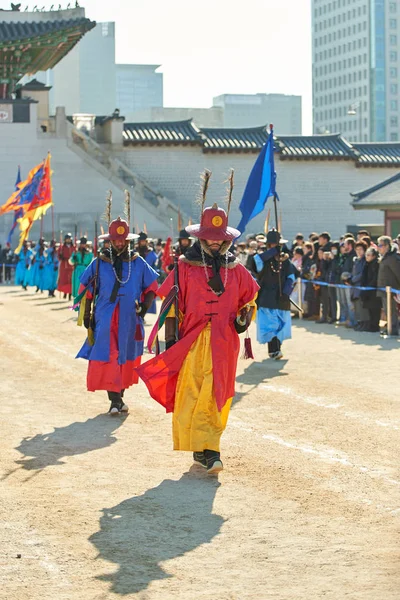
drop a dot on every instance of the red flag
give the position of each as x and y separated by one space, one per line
167 256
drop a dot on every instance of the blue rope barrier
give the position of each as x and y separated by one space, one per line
347 287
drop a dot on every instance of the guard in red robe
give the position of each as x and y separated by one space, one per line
195 377
64 284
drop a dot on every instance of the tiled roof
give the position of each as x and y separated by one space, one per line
14 32
234 140
35 85
378 154
314 147
169 132
383 194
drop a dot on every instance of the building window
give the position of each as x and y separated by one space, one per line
393 56
393 105
392 7
393 72
393 40
393 23
393 89
394 137
394 122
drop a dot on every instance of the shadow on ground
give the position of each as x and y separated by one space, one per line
356 337
51 302
257 373
46 449
167 521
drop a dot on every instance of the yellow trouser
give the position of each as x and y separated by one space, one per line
197 424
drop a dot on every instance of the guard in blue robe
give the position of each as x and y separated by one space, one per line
51 269
24 261
150 256
37 269
275 275
123 286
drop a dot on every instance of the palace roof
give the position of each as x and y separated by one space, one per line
31 46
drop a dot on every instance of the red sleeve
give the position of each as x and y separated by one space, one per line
248 286
153 287
89 294
166 286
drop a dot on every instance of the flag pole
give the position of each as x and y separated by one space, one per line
52 222
271 127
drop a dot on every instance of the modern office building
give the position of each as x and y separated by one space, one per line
139 87
356 53
253 110
84 81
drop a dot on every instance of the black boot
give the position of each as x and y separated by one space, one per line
214 462
116 402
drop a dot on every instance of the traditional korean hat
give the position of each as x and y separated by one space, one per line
183 235
214 219
118 230
274 237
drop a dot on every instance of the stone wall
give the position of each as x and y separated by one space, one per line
315 195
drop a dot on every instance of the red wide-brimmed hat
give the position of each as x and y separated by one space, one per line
213 226
118 230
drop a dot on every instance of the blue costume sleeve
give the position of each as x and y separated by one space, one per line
258 262
260 259
149 275
289 284
88 273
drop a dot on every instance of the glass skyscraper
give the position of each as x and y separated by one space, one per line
356 51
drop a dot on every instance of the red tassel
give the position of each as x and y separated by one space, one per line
138 333
248 350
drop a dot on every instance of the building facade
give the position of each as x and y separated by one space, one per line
253 110
356 66
316 175
203 117
84 81
138 87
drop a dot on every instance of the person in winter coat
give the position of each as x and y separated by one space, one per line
361 314
369 298
389 275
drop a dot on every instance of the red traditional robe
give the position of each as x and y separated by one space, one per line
64 283
201 306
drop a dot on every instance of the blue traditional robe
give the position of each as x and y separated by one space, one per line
36 276
21 272
129 344
51 270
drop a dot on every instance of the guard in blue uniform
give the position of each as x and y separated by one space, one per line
276 278
119 286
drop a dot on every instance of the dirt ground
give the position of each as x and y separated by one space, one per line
94 507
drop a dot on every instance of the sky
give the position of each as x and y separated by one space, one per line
211 47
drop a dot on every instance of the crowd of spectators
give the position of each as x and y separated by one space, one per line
331 273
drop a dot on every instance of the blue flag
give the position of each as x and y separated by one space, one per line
260 185
17 213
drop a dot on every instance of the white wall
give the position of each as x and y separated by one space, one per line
315 195
77 188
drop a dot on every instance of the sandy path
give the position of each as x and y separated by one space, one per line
307 508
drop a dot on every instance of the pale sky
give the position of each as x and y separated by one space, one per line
211 47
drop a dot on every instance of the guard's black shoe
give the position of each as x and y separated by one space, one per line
115 407
200 459
116 403
214 462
